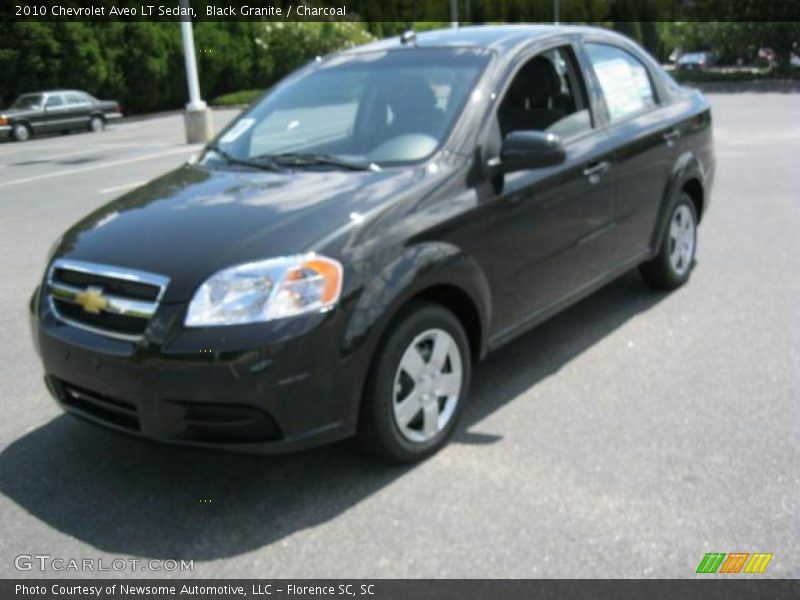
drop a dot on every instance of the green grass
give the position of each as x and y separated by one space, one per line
237 98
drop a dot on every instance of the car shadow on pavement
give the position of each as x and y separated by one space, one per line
130 497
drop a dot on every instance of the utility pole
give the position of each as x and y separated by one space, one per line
454 14
197 118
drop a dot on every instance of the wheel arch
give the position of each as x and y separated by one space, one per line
686 176
24 122
434 272
694 188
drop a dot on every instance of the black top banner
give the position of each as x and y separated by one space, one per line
475 11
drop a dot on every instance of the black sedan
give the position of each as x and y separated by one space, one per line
335 262
56 111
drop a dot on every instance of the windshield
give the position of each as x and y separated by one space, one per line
28 101
367 108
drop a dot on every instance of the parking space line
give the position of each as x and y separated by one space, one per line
113 163
118 188
73 152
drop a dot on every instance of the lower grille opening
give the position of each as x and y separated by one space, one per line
111 410
227 423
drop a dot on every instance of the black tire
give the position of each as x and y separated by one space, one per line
97 124
662 272
21 132
379 432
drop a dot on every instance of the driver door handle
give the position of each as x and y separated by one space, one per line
594 170
670 136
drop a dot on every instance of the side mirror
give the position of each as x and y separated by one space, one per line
523 150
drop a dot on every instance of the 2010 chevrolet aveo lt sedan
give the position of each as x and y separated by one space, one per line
341 255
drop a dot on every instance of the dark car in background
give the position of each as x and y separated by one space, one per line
335 262
696 61
56 111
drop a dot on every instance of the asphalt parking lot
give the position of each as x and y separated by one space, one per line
626 437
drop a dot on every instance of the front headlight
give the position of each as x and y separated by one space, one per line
265 290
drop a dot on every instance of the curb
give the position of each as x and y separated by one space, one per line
781 86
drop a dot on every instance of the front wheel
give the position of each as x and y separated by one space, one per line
673 264
416 390
21 132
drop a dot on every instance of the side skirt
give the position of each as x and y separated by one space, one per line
532 320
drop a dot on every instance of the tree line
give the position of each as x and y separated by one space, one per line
141 63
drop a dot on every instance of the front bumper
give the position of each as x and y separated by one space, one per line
5 131
268 388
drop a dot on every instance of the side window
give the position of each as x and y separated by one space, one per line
75 99
546 94
623 79
53 101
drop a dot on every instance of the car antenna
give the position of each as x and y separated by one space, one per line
409 36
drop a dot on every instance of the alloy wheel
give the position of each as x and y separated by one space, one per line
427 385
681 239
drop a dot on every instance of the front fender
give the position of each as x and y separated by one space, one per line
418 268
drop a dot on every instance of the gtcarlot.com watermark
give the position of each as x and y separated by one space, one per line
48 562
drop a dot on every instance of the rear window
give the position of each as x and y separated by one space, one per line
75 99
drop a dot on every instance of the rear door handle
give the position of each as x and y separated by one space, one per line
594 170
670 136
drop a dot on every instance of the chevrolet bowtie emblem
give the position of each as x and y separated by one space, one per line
92 300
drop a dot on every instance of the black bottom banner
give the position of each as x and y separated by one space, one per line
381 589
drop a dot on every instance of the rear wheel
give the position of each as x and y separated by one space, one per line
97 124
21 132
416 391
674 262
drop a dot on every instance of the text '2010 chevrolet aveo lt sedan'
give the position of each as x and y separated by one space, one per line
340 256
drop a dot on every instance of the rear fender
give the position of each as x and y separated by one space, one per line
686 167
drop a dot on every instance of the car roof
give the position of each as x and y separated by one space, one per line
500 38
54 92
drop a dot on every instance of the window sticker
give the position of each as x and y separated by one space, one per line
237 130
621 87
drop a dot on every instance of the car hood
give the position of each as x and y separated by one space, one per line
193 222
15 113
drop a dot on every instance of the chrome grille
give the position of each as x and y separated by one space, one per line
111 301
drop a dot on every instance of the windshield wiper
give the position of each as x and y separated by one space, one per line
312 158
261 162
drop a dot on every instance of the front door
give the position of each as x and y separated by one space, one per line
551 228
56 113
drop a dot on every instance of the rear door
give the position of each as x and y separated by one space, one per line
642 131
80 109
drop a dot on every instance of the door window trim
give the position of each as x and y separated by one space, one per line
520 61
658 96
48 97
